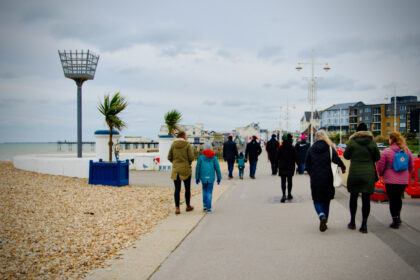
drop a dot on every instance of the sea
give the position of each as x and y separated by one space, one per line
9 150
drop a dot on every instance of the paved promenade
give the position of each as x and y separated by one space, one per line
251 235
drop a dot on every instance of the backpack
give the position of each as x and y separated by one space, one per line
400 162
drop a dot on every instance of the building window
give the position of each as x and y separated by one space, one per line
402 117
367 118
388 124
403 108
361 118
388 132
367 110
402 125
368 126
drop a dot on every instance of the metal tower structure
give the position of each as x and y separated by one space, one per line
80 67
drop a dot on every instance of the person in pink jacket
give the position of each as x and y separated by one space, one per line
395 181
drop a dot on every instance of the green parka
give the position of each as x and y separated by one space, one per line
181 155
362 153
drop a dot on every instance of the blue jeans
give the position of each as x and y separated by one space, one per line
230 163
301 168
252 168
322 208
207 195
241 171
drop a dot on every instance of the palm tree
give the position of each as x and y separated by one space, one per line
110 110
172 119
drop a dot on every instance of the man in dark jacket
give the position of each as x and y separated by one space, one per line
230 153
302 148
252 151
271 148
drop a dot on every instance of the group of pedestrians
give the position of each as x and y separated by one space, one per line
363 154
361 150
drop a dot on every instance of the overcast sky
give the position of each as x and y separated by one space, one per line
222 63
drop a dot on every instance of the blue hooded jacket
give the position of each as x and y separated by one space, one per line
207 166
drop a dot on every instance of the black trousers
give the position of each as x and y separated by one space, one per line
187 185
365 206
395 192
289 184
273 166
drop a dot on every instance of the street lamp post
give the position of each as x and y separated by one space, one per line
313 78
80 67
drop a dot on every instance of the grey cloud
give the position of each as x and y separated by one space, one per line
405 46
291 83
267 86
224 54
8 75
177 49
209 102
232 103
270 52
343 83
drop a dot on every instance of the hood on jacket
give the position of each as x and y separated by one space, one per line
320 147
362 137
180 143
208 153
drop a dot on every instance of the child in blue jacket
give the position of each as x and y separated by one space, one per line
207 167
241 165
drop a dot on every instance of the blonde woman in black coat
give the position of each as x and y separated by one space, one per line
318 165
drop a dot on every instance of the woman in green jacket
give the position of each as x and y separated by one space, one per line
181 155
362 153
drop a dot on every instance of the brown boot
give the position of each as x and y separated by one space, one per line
189 208
177 210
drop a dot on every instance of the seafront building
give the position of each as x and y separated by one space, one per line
336 118
379 118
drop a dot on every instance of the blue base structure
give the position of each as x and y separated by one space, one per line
109 173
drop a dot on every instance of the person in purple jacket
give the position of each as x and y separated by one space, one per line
395 181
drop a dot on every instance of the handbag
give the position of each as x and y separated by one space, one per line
337 180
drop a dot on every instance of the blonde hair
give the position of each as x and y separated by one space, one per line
398 139
181 134
322 135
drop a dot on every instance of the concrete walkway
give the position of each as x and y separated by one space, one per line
251 235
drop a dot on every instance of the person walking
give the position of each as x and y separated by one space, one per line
181 156
318 166
241 165
302 148
271 148
362 153
207 167
286 160
394 175
252 151
230 153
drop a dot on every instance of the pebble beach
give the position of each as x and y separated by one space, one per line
56 227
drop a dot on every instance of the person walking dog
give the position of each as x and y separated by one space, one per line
230 153
318 166
395 164
252 151
207 167
362 153
181 155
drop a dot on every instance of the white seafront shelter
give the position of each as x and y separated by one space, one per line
72 166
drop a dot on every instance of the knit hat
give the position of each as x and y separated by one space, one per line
361 127
302 137
273 136
208 146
